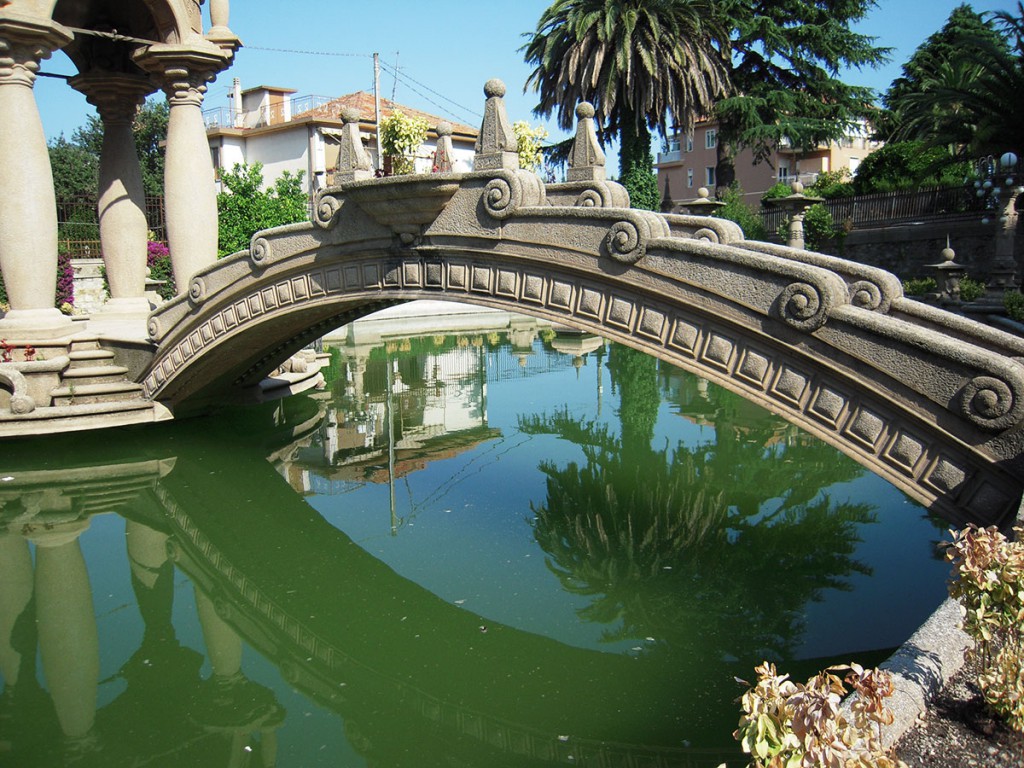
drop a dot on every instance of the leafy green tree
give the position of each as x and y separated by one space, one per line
645 66
75 170
786 56
150 130
907 165
962 97
963 24
245 207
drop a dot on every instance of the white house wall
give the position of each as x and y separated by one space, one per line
280 151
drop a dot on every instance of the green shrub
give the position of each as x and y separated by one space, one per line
400 137
739 212
776 191
832 184
819 226
971 290
919 286
1014 303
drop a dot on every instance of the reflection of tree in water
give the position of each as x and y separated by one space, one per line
719 545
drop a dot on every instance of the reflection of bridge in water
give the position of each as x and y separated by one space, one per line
380 644
931 401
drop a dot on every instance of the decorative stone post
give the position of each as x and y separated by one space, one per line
444 156
122 197
354 162
496 146
796 204
190 195
586 160
950 275
28 208
702 204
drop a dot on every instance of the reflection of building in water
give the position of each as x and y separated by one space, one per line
412 388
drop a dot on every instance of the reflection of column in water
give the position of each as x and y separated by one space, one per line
68 638
223 645
15 594
228 702
152 579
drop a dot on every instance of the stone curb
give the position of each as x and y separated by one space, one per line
925 664
922 666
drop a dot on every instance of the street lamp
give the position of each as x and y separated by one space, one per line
997 184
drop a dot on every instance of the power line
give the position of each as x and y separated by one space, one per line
310 53
396 73
405 78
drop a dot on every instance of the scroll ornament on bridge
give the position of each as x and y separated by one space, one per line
325 210
510 191
197 291
627 239
992 403
803 306
259 251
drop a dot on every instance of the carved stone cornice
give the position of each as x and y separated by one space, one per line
184 71
24 42
115 95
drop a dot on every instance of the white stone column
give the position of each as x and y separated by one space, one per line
190 195
28 209
122 197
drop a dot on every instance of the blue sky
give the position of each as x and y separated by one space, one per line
441 48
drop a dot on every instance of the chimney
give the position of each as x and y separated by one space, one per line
236 102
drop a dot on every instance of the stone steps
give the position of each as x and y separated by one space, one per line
90 393
94 374
83 358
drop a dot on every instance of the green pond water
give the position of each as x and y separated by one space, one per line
495 547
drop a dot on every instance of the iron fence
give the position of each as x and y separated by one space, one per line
883 208
78 228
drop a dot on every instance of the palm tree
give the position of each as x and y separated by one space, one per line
644 64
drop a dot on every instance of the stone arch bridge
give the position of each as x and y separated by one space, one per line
929 400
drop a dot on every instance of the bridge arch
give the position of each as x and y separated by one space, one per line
931 401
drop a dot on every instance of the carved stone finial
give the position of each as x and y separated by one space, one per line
496 144
444 158
353 159
586 161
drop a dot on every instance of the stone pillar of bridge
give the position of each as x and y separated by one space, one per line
122 198
28 208
190 195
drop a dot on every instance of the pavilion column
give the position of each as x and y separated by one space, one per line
190 195
122 197
28 208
